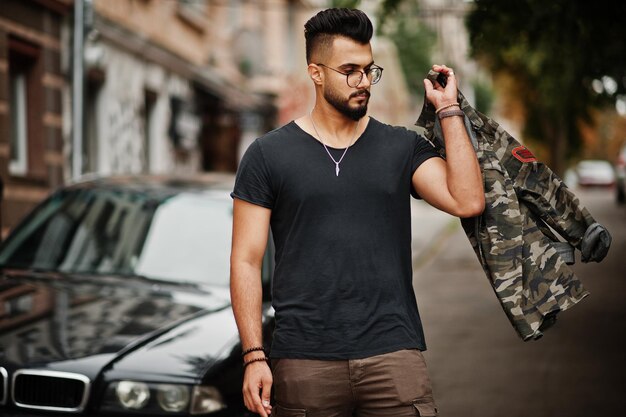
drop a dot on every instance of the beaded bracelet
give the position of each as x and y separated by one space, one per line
447 106
252 349
450 113
246 363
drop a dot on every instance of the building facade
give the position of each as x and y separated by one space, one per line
156 101
32 85
158 95
169 87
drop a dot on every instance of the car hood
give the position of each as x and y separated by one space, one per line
185 353
53 319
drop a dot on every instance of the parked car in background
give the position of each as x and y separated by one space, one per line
620 174
594 172
114 299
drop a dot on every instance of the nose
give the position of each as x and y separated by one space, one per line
365 81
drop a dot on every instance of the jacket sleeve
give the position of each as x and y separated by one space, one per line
550 199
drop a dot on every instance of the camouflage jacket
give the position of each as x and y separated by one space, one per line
523 259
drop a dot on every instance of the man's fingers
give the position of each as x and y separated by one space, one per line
442 68
252 401
248 398
260 408
266 389
428 86
257 388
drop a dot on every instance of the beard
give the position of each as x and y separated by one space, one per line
343 105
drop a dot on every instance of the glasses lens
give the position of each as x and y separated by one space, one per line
354 78
375 74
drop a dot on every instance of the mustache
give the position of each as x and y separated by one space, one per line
357 93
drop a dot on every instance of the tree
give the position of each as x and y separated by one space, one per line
553 51
413 40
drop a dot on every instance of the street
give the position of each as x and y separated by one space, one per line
478 364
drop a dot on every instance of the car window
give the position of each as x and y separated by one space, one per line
189 237
179 237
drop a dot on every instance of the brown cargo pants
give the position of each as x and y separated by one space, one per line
394 384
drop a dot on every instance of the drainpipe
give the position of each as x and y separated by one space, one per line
77 89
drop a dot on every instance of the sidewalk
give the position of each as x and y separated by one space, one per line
430 229
481 368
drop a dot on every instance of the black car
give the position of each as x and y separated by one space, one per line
114 300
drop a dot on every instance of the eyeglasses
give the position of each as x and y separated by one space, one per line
354 78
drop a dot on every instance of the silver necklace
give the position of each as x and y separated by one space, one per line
325 147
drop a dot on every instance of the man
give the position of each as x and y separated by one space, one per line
334 186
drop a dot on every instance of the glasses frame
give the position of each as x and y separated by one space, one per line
361 72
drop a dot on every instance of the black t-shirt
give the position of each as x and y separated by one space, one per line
342 286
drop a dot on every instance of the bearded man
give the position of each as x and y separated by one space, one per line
334 186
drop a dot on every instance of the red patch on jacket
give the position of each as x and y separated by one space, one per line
521 153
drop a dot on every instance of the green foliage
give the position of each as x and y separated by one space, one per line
385 9
554 50
414 43
390 7
483 96
348 4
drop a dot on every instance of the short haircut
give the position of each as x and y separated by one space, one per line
321 29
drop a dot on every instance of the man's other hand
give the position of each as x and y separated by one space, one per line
257 386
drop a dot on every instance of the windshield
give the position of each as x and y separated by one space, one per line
183 237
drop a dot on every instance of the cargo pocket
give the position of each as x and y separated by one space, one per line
280 411
425 407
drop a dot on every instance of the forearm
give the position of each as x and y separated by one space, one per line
247 297
456 185
463 176
250 235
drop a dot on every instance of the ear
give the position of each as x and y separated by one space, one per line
315 74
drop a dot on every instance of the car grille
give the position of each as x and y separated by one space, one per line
50 390
4 385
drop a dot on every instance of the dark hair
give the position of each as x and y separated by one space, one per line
321 29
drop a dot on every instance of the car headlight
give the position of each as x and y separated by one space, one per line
206 400
133 395
173 398
164 399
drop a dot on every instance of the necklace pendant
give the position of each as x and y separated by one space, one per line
337 169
